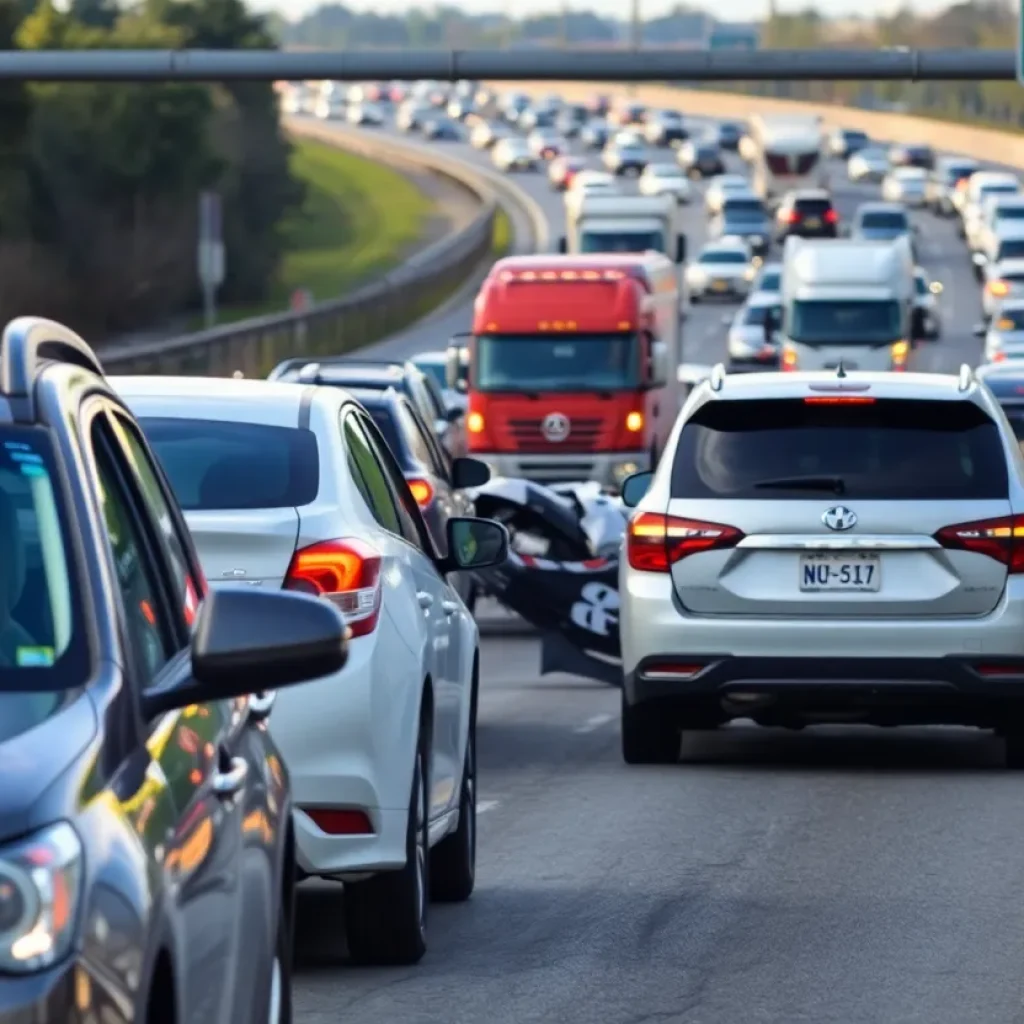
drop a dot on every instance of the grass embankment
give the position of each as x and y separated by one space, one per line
359 219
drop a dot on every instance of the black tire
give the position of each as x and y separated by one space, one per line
1014 746
453 860
280 984
386 916
649 736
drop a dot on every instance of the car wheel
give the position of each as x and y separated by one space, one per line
279 997
649 736
453 860
386 916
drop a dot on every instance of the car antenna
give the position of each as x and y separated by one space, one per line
841 370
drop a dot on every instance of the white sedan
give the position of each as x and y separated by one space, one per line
665 180
292 487
869 165
905 185
720 187
724 269
513 154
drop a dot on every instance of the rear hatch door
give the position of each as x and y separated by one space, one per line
837 507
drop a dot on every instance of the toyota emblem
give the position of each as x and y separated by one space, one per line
555 427
839 518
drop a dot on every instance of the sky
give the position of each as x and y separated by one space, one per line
739 10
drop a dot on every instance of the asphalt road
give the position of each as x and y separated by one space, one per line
833 876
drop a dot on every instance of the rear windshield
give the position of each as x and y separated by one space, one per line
1014 278
1011 250
743 208
1009 213
894 219
812 205
955 173
1010 320
773 449
770 281
218 464
723 257
756 315
43 643
1007 189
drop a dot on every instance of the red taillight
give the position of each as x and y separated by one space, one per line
790 217
655 542
831 217
340 822
347 573
422 491
839 400
1001 539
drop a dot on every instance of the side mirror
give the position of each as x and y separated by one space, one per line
681 249
658 370
468 472
452 366
935 288
563 245
979 259
247 641
441 425
474 544
979 330
454 413
635 487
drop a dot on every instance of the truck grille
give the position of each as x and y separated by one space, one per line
584 436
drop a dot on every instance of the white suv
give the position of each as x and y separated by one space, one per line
822 547
292 486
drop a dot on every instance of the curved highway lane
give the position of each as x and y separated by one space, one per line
831 876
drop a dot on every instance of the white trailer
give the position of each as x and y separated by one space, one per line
785 152
848 301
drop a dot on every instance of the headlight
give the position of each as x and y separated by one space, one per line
40 892
621 470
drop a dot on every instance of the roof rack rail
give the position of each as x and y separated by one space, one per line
30 341
966 378
717 376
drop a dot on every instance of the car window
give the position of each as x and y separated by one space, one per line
150 635
424 447
880 450
217 465
436 397
43 642
414 530
367 476
189 586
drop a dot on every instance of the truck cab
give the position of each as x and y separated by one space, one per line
570 368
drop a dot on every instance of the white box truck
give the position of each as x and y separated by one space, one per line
848 301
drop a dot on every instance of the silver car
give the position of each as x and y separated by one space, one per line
823 547
753 340
724 269
927 314
1004 334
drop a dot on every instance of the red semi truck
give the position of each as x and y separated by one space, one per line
571 366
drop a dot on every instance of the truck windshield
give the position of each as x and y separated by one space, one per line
622 241
844 322
540 362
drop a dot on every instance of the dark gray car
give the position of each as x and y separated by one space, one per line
745 217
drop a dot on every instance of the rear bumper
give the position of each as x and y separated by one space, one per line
607 468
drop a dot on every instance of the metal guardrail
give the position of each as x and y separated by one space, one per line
340 325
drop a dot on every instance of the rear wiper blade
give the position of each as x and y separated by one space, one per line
835 484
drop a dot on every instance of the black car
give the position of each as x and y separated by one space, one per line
665 128
807 214
844 142
912 156
442 129
426 466
137 776
701 159
729 134
379 375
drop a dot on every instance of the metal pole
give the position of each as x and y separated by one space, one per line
636 31
553 65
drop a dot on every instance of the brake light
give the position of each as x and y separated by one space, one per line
1001 539
789 216
655 542
345 572
900 352
998 288
839 400
340 822
788 361
998 357
422 491
831 217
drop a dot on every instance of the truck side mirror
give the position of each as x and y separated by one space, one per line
681 249
657 376
452 368
563 245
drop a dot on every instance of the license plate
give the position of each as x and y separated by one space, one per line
840 572
813 222
719 286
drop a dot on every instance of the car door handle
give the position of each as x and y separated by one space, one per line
226 784
426 600
450 607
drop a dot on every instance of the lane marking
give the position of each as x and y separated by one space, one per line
483 806
593 724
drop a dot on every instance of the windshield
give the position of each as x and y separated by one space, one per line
734 258
436 371
216 465
622 241
770 281
844 322
43 644
540 363
756 315
884 220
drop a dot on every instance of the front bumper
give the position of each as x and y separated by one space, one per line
731 289
607 468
